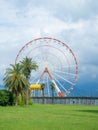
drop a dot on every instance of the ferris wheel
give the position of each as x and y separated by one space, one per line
56 62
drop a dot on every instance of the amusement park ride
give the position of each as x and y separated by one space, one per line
56 62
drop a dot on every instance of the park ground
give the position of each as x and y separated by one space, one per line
49 117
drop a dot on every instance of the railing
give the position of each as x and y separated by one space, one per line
66 100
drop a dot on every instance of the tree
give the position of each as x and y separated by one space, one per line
27 66
52 88
42 88
15 80
6 98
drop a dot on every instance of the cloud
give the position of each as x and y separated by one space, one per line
73 22
74 10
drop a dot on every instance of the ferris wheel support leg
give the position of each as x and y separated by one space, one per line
58 90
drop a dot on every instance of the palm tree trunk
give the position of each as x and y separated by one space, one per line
16 103
27 97
27 92
43 94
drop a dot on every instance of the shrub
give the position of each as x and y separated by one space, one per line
6 98
30 102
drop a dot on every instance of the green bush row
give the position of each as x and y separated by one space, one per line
6 98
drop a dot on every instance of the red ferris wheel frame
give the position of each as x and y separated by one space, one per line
59 42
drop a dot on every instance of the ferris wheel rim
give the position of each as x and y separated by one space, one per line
59 42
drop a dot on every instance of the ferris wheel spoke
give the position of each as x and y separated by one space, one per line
56 93
46 82
39 57
35 77
71 66
72 74
64 67
60 84
64 79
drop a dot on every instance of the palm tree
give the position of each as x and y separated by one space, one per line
42 88
53 88
15 81
27 66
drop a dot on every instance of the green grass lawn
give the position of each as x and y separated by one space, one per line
49 117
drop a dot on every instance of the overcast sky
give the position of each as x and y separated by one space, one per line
74 22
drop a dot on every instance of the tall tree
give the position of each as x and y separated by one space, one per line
15 80
52 88
27 66
42 88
